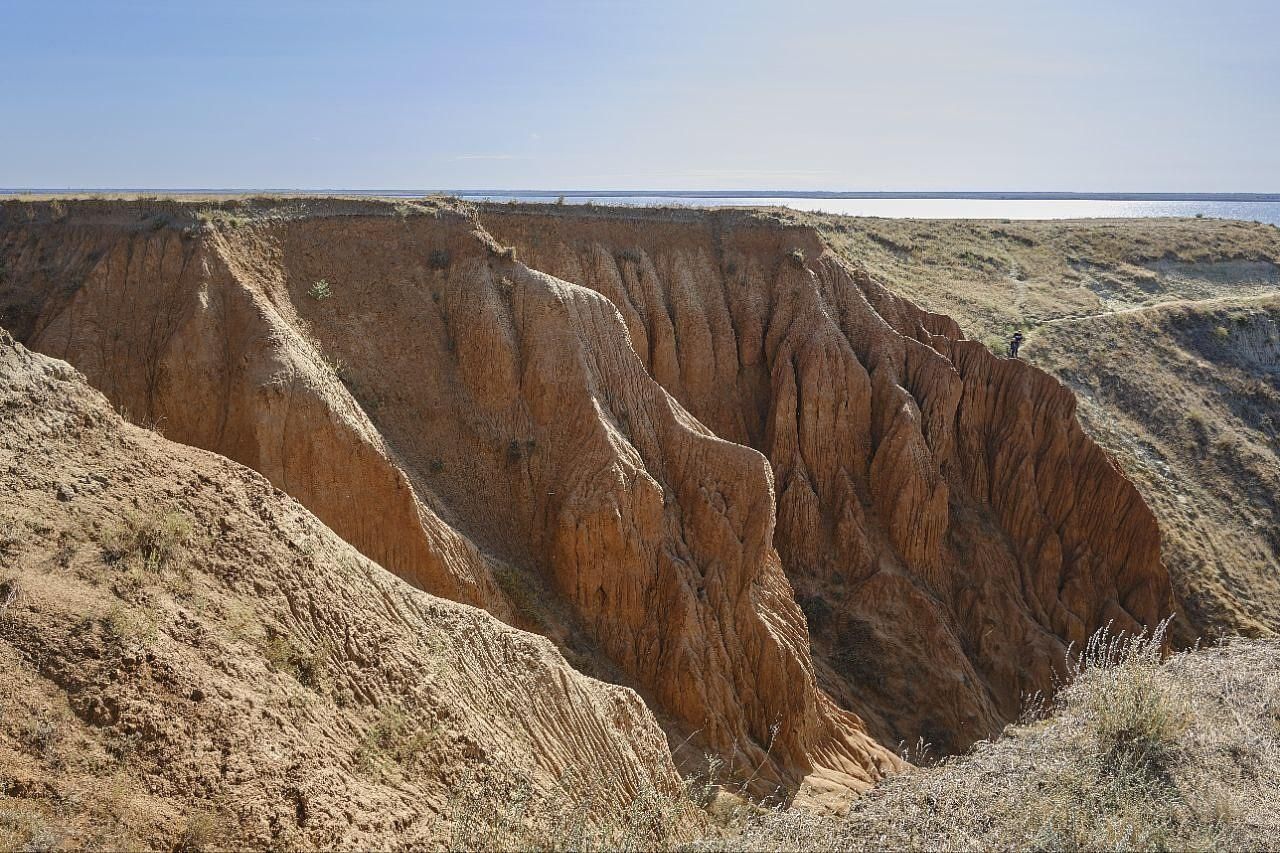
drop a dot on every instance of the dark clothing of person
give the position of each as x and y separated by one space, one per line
1014 345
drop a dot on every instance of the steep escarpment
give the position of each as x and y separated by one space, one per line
189 659
1188 395
1165 330
801 517
485 431
944 520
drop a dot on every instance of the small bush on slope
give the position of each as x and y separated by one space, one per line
1139 754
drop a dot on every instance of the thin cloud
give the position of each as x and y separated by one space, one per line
657 179
755 173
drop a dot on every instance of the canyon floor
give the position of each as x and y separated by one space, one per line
420 524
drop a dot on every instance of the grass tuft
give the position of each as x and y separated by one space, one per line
395 740
306 666
1139 752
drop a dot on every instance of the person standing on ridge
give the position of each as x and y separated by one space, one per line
1015 344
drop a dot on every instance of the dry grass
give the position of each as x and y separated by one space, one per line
996 276
577 815
307 666
25 827
395 742
151 542
1186 397
147 550
1138 754
1135 752
1166 330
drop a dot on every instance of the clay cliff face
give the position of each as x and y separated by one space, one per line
647 437
942 517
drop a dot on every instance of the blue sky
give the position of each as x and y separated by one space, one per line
788 94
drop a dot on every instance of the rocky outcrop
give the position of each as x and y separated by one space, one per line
647 436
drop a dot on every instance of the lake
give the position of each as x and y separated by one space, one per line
945 208
897 205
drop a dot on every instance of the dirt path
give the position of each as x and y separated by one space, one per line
1173 303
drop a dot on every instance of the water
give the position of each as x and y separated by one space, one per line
1256 207
950 208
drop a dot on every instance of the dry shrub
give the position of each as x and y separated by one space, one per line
9 592
1137 716
151 542
26 828
148 549
1139 753
307 666
396 740
203 831
40 734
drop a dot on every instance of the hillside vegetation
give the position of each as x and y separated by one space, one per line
997 276
1134 754
1167 331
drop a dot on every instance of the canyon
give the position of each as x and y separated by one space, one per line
755 504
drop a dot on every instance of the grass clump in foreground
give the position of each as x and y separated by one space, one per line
1139 753
578 814
1136 752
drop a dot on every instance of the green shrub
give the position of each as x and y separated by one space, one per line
320 290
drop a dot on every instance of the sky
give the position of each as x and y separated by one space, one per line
1075 95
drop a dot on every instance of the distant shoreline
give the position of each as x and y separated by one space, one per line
673 194
895 194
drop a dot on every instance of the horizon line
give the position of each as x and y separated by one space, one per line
994 195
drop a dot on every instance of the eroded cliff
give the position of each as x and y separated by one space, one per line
943 519
190 660
645 435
